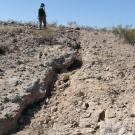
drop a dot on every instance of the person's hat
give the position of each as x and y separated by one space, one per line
42 5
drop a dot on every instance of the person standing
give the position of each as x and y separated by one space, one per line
42 16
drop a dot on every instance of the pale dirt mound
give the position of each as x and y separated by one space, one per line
87 90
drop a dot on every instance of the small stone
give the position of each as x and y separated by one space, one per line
1 74
110 114
64 78
13 82
33 85
19 62
85 106
1 70
99 77
133 66
40 55
84 123
14 98
122 131
80 94
1 108
74 124
54 109
47 100
87 115
104 41
132 115
12 66
107 69
14 40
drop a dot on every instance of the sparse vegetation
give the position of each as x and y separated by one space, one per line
125 32
53 24
85 27
93 28
48 34
73 24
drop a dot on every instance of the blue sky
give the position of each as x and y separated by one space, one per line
100 13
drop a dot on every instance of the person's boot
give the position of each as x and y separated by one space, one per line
45 24
40 26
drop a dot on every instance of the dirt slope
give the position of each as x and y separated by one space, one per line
92 90
100 97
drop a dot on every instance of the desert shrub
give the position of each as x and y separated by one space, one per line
126 32
104 29
72 24
48 34
53 24
93 28
86 27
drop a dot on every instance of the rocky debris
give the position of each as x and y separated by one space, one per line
62 82
2 72
3 50
99 99
91 95
12 82
26 78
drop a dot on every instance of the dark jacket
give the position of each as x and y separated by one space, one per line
41 12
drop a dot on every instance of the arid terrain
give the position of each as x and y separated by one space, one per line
65 81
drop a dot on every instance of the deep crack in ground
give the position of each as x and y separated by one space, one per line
31 110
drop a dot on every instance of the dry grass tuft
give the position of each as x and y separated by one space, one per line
47 34
127 33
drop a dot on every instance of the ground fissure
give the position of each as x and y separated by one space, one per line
92 89
59 75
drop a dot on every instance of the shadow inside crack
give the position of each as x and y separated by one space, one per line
77 64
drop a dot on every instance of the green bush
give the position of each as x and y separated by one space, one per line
127 33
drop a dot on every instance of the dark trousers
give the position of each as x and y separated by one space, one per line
42 20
